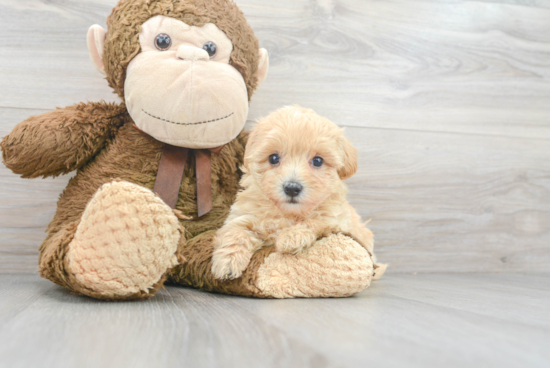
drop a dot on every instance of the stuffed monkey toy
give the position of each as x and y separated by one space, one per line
158 173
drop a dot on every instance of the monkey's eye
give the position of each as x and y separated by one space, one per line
317 161
210 48
274 159
163 42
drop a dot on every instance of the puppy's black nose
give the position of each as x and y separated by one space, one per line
292 189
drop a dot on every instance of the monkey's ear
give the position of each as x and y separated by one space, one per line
350 160
263 66
96 42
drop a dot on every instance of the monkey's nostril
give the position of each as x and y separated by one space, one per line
189 53
292 189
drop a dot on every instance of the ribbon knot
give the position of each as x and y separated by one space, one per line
170 174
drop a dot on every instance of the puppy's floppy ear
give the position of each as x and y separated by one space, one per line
253 136
350 160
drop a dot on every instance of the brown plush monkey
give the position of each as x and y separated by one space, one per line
157 174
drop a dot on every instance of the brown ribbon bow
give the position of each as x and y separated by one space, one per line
170 175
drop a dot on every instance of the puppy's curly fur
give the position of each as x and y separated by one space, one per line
295 163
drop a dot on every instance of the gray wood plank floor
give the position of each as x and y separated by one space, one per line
437 320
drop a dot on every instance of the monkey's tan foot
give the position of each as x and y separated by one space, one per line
125 242
335 266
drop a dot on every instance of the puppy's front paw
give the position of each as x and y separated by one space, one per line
294 240
229 262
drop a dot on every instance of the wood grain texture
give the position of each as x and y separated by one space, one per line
476 67
447 66
413 321
448 103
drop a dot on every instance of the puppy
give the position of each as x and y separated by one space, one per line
294 166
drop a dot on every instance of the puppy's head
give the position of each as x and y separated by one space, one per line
299 158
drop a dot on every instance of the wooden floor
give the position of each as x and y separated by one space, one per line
438 320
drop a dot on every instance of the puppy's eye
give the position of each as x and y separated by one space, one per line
210 48
317 161
274 159
163 42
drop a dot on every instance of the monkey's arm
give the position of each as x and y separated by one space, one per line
62 140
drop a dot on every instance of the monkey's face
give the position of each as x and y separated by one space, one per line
180 88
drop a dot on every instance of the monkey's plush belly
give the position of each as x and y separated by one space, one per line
132 156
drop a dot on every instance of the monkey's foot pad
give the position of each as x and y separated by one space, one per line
335 266
125 242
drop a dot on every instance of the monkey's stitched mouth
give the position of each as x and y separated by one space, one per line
197 123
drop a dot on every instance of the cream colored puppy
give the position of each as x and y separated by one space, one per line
295 163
